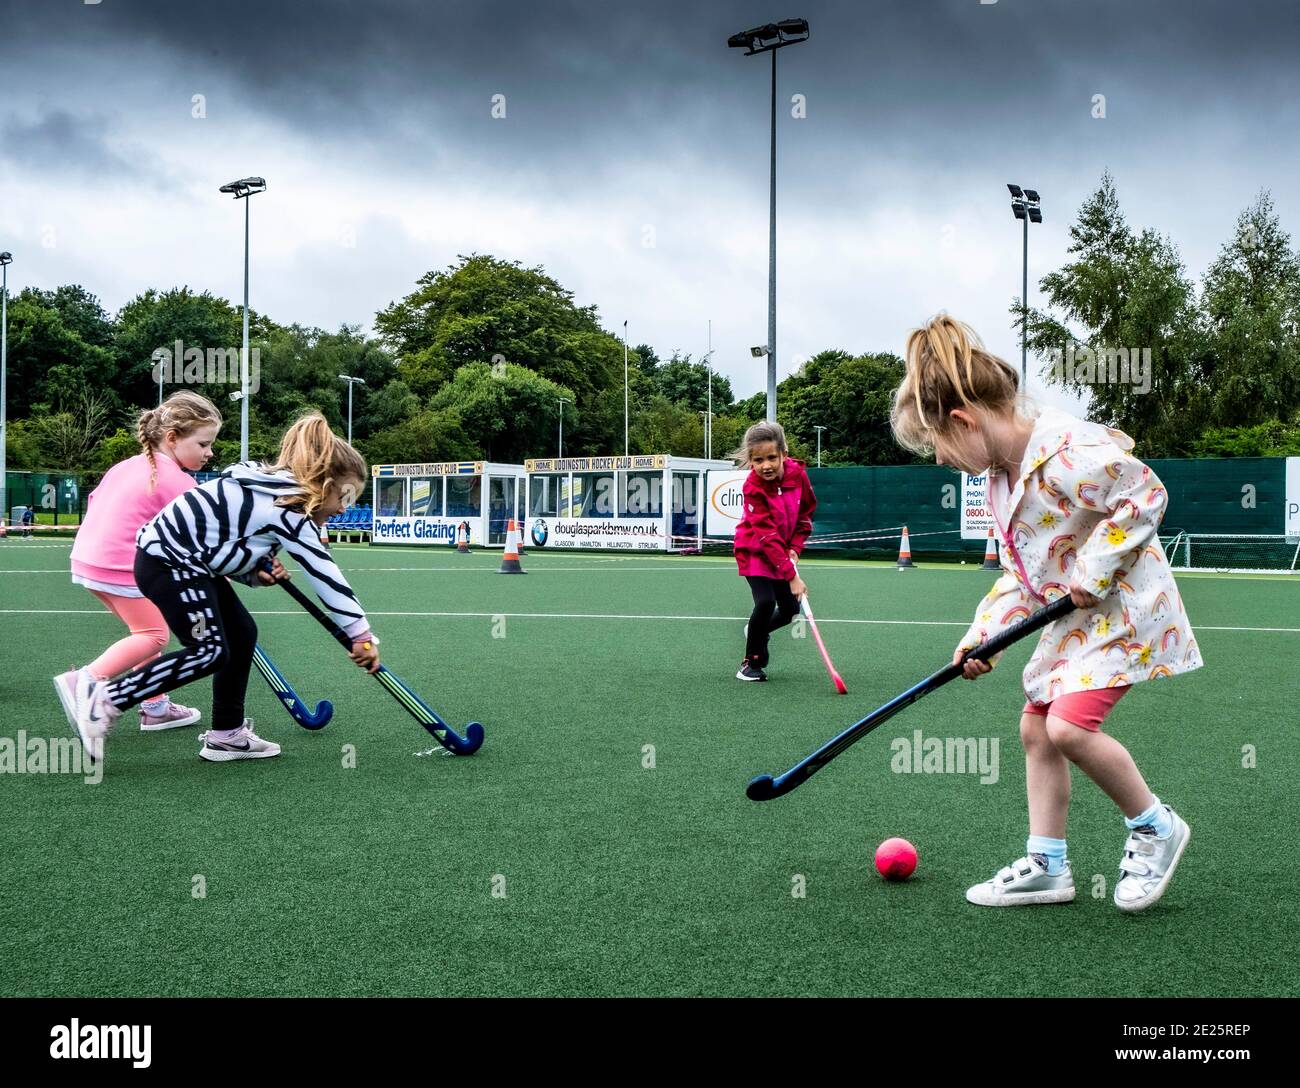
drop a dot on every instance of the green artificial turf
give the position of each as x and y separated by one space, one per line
622 879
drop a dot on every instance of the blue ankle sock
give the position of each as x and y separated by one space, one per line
1053 850
1156 816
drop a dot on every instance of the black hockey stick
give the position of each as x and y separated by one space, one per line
765 787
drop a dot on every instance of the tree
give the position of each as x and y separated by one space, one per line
154 321
428 436
1131 303
48 360
686 383
1252 306
490 312
65 438
508 412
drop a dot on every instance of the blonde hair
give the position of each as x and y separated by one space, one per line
183 413
765 431
947 368
316 457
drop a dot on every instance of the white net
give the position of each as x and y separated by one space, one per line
1233 554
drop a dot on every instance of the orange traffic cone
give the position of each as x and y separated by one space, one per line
510 561
905 552
462 538
991 554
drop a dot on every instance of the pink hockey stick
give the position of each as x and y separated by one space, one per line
806 608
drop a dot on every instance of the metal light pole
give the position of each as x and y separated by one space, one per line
708 362
6 259
765 39
351 382
819 445
1025 206
705 421
563 401
625 447
241 190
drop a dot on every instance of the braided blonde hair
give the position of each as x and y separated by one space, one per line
947 368
316 457
182 413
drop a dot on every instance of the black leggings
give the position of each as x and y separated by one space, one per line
216 633
774 607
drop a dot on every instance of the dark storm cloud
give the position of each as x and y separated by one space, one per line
56 142
416 78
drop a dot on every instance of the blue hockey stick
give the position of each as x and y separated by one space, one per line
412 703
297 708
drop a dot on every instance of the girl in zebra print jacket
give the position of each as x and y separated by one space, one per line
226 529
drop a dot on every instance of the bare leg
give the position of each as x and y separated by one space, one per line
1107 762
1047 778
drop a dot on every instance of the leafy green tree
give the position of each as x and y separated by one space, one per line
510 411
489 312
428 436
686 383
156 320
1252 307
1128 292
48 360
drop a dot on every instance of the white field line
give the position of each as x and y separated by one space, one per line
601 616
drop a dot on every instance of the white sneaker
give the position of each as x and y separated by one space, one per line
173 717
66 685
1148 864
245 744
95 715
1023 883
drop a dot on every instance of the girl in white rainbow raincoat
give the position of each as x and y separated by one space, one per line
1085 513
1078 516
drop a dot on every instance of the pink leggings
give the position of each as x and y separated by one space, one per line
149 634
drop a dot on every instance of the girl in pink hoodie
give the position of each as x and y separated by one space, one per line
174 437
776 523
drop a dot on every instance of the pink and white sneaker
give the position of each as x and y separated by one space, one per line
173 717
95 715
66 685
243 744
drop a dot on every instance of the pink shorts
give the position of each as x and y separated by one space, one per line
1086 709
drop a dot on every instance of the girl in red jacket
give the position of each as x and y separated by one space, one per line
776 523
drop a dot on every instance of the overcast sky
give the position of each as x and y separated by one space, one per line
632 161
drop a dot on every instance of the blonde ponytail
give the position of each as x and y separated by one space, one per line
316 458
947 368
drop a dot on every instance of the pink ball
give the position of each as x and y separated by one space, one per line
896 859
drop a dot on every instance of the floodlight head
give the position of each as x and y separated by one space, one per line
1035 214
1018 209
1016 191
793 30
6 258
1032 194
236 395
763 39
244 187
758 352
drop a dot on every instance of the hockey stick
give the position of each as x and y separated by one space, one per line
412 703
765 787
297 708
808 615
